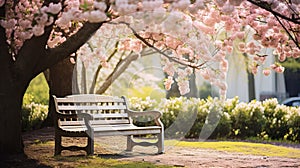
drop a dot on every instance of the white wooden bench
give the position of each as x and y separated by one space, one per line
90 115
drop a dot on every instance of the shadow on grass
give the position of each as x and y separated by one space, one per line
20 161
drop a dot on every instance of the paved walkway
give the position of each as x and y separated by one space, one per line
192 157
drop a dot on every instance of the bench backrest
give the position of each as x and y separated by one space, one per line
105 109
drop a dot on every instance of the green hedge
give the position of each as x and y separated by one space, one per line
33 114
226 119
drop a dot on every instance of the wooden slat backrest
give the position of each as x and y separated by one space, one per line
105 109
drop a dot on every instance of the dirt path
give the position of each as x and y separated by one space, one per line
113 147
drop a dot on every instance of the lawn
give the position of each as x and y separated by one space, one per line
242 147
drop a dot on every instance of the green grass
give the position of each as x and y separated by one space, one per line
96 162
112 163
242 147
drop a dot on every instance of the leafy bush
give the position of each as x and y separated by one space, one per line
34 110
39 90
213 118
294 124
276 119
248 119
33 115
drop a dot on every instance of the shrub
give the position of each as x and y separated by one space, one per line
178 116
247 119
33 115
294 124
38 88
142 104
214 119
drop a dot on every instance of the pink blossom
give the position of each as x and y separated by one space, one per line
55 41
209 21
183 86
100 6
168 83
273 66
105 64
182 4
242 46
282 57
224 65
279 69
136 46
297 2
220 3
240 35
203 27
188 71
236 2
9 24
24 23
227 8
266 72
54 8
204 73
169 69
95 16
172 42
38 30
2 2
254 70
221 85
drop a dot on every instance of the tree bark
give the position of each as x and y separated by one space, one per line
251 85
60 85
32 59
11 96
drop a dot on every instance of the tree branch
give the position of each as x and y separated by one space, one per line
121 67
266 6
176 60
70 46
92 89
286 30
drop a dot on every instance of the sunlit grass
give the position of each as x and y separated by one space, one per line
112 163
241 147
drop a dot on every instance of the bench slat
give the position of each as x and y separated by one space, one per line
109 115
113 115
95 122
89 99
92 107
124 129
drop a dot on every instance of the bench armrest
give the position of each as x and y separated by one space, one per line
155 114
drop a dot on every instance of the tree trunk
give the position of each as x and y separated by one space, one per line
292 81
60 85
251 85
11 96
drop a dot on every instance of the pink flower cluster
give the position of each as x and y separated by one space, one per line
26 19
187 32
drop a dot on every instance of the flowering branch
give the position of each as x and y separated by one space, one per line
286 30
266 6
189 64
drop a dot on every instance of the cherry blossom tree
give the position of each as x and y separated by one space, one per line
190 35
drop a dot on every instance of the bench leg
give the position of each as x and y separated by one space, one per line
160 142
90 144
58 146
130 143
